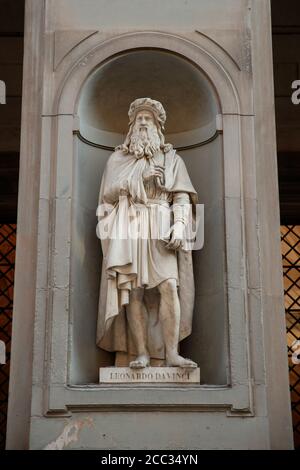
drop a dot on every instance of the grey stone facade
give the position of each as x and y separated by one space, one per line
243 400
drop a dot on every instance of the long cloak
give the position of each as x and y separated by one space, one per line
113 332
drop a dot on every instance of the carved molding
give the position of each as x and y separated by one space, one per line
217 68
179 149
220 47
66 41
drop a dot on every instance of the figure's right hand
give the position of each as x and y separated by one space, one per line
153 171
124 188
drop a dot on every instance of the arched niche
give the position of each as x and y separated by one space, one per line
185 91
192 107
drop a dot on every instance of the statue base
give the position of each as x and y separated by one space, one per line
122 375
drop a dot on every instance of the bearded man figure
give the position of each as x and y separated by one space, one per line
147 286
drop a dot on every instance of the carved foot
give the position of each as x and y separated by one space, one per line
179 361
140 362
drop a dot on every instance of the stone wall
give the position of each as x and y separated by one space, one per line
229 41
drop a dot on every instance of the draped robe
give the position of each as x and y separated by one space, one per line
125 259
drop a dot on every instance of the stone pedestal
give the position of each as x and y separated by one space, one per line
83 60
149 375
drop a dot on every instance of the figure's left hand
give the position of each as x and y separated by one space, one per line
177 235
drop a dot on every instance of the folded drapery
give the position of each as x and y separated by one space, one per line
135 253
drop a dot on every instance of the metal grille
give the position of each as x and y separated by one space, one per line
290 243
7 266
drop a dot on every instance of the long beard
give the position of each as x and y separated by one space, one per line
144 142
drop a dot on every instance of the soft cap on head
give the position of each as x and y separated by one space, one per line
150 105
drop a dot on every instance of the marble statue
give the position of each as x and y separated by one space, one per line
147 286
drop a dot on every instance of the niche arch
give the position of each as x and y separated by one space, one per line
192 108
218 68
